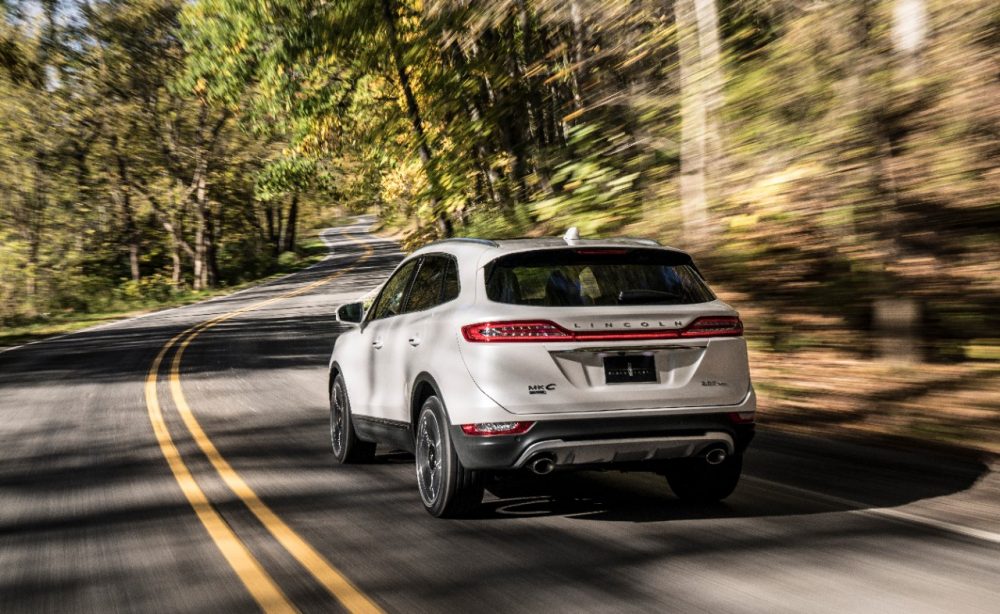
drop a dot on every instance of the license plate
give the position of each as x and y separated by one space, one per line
629 369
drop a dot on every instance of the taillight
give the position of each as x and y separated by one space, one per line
492 429
714 326
544 330
541 330
742 417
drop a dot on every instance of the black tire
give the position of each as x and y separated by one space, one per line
693 479
447 489
347 448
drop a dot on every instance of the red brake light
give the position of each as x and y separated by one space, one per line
541 330
492 429
714 326
742 417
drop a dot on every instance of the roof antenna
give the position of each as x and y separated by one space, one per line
572 235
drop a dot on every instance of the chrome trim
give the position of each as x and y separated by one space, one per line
748 403
477 241
626 449
628 348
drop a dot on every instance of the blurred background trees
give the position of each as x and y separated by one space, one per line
833 163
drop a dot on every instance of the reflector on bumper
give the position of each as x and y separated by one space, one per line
490 429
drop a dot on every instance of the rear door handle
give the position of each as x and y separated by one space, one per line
377 343
415 340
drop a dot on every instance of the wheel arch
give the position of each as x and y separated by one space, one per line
331 376
424 387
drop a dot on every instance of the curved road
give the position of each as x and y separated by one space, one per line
180 462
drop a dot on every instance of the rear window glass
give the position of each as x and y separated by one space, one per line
581 277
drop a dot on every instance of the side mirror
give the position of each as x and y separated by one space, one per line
351 313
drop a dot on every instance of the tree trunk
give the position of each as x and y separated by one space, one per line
279 226
531 94
897 317
201 233
443 224
128 216
211 253
173 223
199 255
34 247
489 177
133 259
32 224
710 54
290 224
693 191
269 221
909 32
175 260
132 234
577 19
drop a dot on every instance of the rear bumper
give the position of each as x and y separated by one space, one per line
625 450
605 440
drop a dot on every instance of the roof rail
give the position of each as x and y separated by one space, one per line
645 241
469 240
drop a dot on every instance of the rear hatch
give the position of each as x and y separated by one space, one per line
598 329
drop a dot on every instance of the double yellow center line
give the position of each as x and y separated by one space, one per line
258 582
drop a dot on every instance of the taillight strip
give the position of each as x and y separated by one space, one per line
519 331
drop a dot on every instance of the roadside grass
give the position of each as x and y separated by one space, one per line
826 392
813 376
310 251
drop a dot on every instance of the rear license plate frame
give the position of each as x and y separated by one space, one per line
630 369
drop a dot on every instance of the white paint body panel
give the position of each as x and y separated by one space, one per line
482 382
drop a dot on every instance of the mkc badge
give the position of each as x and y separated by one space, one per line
540 388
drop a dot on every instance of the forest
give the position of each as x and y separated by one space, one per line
833 164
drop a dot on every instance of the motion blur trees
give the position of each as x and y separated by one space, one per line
845 152
701 106
782 138
121 178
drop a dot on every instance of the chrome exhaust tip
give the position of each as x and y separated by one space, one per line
716 456
542 465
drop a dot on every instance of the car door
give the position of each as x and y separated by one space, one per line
408 335
375 343
434 284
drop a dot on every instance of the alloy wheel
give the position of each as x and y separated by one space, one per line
430 465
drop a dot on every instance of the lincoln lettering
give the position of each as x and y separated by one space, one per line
643 324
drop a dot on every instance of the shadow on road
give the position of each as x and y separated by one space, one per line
73 477
123 352
784 475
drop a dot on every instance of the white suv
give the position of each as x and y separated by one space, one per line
544 354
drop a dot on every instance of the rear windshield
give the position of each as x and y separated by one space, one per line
580 277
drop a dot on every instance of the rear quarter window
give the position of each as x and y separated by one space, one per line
596 277
435 283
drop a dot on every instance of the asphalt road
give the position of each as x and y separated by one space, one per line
210 487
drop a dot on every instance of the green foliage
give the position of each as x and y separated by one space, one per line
832 168
121 174
594 196
287 259
286 174
151 289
